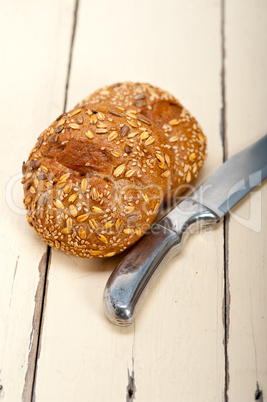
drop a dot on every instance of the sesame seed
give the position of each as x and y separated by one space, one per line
188 177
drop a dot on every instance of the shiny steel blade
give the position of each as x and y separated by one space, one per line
234 179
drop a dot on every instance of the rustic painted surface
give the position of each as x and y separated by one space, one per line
201 335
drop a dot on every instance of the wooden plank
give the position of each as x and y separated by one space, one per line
34 51
176 346
246 92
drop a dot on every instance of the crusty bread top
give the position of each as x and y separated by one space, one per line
95 180
179 128
97 176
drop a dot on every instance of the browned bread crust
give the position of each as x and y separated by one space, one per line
95 180
97 176
179 128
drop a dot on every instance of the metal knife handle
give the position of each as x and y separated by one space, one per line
131 281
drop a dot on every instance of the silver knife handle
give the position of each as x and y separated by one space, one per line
131 281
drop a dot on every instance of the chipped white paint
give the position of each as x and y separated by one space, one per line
34 52
176 345
177 341
246 91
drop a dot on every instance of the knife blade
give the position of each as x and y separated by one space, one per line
131 281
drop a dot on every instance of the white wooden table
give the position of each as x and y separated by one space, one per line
202 332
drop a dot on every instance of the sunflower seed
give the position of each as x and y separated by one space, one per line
53 139
124 131
144 120
59 129
115 113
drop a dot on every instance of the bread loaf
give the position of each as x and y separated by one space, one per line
179 129
97 176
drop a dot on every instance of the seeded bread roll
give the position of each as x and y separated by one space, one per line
179 129
95 179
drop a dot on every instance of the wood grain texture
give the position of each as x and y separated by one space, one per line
58 345
246 89
176 344
34 52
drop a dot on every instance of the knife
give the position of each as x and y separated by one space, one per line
131 281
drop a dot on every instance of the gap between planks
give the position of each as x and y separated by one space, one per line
223 132
41 291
